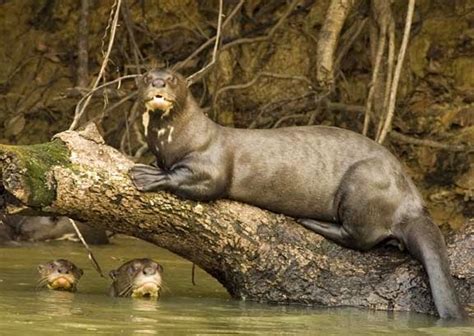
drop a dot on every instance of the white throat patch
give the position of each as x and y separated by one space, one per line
146 121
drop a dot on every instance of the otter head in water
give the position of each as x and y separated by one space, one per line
163 92
137 278
60 274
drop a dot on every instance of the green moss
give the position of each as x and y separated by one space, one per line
38 161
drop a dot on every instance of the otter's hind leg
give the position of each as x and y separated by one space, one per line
331 231
364 204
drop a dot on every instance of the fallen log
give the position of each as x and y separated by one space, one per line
255 254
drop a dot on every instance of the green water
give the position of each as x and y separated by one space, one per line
184 309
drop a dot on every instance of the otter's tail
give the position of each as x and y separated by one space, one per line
425 242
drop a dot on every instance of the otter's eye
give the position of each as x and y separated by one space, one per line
172 79
146 79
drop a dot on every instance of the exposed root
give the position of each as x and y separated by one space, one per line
396 77
328 41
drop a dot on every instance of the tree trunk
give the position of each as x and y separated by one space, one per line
257 255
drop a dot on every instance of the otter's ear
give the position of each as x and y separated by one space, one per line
160 268
113 274
40 268
81 272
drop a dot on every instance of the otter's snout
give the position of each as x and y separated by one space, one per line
158 83
149 270
63 270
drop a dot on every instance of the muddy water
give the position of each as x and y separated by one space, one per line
184 309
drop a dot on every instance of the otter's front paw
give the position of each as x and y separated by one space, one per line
146 178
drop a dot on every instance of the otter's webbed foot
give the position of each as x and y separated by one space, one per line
332 231
148 178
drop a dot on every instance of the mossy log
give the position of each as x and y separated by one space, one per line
255 254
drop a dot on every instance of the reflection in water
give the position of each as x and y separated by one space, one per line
147 305
184 309
56 303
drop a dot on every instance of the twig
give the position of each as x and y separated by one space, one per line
312 116
255 79
347 46
90 255
140 151
138 57
193 274
120 102
270 34
182 64
79 112
194 23
287 117
91 93
310 101
399 137
375 74
143 145
83 46
396 76
391 57
346 108
129 120
191 79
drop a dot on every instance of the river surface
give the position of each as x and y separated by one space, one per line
184 309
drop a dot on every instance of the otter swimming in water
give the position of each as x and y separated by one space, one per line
59 274
137 278
336 182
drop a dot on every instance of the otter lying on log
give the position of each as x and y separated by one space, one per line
340 184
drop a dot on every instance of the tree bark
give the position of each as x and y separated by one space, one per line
257 255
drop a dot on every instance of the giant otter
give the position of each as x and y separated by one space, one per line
6 232
44 228
59 274
338 183
138 278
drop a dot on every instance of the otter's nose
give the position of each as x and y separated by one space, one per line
148 271
158 83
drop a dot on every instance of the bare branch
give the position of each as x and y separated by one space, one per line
255 79
88 249
88 95
182 64
396 76
381 9
399 137
358 28
191 79
79 111
245 40
388 82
